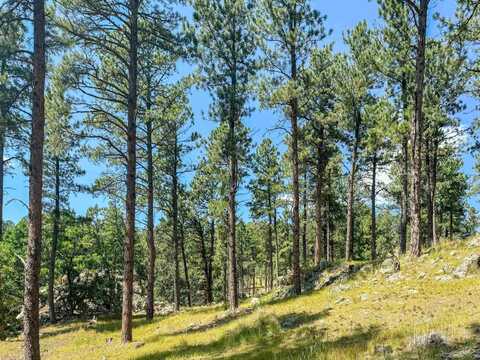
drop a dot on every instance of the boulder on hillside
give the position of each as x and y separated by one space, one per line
390 265
469 266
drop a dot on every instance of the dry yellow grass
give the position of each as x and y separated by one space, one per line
347 322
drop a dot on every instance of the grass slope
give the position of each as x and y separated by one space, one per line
353 320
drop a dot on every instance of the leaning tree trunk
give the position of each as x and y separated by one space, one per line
351 190
32 263
53 253
128 246
373 197
416 132
150 227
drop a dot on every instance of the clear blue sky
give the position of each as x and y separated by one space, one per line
341 15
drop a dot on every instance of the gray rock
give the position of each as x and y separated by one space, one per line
432 339
395 277
383 349
443 278
470 265
389 266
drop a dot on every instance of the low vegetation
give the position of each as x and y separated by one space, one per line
423 311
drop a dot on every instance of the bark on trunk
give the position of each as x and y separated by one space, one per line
319 243
431 160
150 228
404 198
277 246
53 253
210 261
174 199
305 218
297 284
32 264
404 174
233 117
128 246
373 197
203 254
185 266
351 189
270 242
417 130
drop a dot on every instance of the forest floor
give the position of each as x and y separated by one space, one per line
421 312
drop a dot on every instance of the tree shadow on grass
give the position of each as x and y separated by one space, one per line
264 339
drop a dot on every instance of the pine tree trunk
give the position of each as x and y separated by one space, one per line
319 243
433 191
128 246
32 264
416 132
373 197
404 173
53 253
428 168
297 284
305 218
270 242
451 225
210 261
351 190
185 266
176 250
404 198
203 254
150 228
277 246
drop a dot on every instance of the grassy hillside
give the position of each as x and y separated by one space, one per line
370 316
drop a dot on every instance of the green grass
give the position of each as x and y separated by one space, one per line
375 312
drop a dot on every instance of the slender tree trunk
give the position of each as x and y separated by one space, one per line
297 284
277 246
185 266
404 173
373 197
210 261
270 242
351 190
305 218
234 116
433 191
416 132
203 254
404 198
32 264
176 250
428 168
451 225
150 227
319 243
53 253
